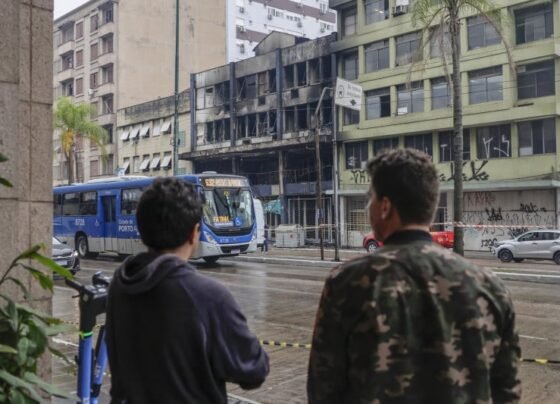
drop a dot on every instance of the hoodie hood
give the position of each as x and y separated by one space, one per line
143 272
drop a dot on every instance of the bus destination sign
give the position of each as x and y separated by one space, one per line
224 182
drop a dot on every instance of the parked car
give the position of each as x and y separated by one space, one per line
537 245
444 238
65 256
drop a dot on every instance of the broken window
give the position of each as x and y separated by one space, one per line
241 127
252 125
289 79
241 89
290 115
227 129
209 97
219 131
302 121
302 73
251 83
272 122
326 113
314 75
263 83
272 81
262 124
326 68
210 132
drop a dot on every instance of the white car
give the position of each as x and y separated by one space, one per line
537 245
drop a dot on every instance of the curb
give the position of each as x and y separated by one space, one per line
287 261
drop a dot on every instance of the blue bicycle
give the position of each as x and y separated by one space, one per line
91 362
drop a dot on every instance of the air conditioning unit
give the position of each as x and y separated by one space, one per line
241 10
300 24
400 10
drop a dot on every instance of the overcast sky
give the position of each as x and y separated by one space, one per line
63 6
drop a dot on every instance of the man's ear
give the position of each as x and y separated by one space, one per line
386 208
195 235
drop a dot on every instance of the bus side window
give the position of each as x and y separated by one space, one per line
88 203
129 201
71 204
57 205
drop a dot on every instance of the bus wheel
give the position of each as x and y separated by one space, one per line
82 246
211 260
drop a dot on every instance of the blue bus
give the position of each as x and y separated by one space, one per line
100 216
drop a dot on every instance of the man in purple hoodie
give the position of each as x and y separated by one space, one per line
174 335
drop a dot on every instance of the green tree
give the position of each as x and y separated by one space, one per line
436 19
74 122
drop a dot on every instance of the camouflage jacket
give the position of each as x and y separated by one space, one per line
414 323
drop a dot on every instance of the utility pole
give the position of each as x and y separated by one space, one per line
176 110
335 183
318 187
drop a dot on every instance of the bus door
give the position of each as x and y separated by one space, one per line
109 204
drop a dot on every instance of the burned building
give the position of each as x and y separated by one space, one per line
257 118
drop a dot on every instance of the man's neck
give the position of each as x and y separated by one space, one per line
184 252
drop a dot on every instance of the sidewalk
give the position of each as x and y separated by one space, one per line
311 256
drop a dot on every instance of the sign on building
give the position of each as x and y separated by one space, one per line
348 94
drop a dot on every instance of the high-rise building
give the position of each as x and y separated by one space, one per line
510 112
115 54
249 21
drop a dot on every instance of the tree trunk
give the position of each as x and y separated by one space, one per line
77 176
69 160
457 135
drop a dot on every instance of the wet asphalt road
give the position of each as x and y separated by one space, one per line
280 302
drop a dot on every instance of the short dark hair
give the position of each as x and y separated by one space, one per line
409 179
168 211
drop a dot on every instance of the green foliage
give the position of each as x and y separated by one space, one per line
4 181
25 332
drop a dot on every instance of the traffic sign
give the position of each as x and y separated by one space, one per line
348 94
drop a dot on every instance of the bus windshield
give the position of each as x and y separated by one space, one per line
228 208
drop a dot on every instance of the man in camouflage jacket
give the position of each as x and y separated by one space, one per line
413 322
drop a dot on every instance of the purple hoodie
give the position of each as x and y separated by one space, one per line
176 336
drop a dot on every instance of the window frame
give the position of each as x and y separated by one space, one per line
392 141
547 137
361 147
489 38
380 93
413 42
351 56
370 4
495 152
443 157
345 15
427 140
486 74
547 17
374 50
439 81
534 69
414 97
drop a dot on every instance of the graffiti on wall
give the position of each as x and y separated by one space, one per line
498 216
473 170
360 177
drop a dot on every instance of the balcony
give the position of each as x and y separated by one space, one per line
106 58
106 119
67 46
65 75
106 28
106 88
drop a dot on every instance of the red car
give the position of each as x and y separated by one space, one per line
444 238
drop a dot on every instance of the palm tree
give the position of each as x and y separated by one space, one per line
446 14
73 121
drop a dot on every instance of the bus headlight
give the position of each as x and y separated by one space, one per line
210 238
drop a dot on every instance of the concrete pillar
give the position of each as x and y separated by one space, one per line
281 193
26 98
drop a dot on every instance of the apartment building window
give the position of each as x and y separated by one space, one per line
534 23
350 65
420 142
493 142
166 162
68 88
377 56
126 165
378 103
108 14
376 10
79 30
441 93
93 23
67 60
446 145
441 39
486 85
94 168
79 58
155 163
93 81
349 22
94 110
107 104
66 34
409 48
410 98
107 73
107 44
109 165
351 116
136 164
94 51
536 80
389 143
79 86
481 33
356 155
109 130
537 137
145 166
